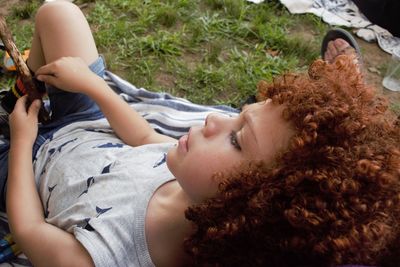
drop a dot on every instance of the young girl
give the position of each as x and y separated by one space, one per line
309 176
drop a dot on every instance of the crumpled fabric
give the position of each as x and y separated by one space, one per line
343 13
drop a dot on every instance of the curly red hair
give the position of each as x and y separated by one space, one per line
333 197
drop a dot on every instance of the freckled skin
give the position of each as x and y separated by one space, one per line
260 131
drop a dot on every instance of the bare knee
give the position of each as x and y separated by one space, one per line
57 12
63 30
60 5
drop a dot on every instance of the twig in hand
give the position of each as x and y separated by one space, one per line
22 68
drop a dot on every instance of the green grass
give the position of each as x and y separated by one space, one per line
208 51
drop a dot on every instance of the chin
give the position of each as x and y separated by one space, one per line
171 154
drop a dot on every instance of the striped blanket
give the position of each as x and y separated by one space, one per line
167 114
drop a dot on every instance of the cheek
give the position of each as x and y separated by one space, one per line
210 161
194 172
195 166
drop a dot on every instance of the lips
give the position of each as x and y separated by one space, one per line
183 143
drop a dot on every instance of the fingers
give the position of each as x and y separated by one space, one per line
34 108
46 74
23 121
45 70
67 73
49 79
21 103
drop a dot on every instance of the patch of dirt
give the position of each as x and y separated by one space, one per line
6 6
375 62
166 80
192 60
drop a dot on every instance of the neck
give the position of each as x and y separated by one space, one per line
166 225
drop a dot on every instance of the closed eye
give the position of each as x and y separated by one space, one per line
234 140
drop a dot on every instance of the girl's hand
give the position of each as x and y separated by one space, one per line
24 123
68 73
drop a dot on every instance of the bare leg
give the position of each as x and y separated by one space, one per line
61 30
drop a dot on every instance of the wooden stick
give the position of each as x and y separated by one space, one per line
22 68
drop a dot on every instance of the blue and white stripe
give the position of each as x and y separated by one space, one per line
167 114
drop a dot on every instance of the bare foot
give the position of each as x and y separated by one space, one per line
339 47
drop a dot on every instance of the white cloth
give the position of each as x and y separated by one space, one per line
344 13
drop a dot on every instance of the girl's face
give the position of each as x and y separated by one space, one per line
258 133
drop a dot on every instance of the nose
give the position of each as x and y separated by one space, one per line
214 124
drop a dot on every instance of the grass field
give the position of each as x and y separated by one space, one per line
208 51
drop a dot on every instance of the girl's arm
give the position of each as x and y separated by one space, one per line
129 125
44 244
73 75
